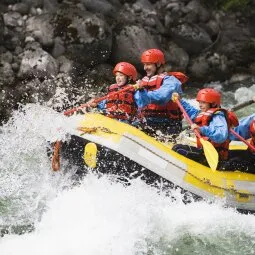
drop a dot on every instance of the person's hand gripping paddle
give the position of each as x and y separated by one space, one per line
210 152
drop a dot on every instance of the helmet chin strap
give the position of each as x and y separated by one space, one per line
158 66
129 81
214 106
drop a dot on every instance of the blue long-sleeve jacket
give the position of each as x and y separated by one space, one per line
243 128
101 105
159 96
217 130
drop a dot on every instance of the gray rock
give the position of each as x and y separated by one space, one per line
33 11
50 6
144 5
130 43
88 39
58 48
147 15
65 65
13 39
236 43
206 67
115 3
199 10
199 67
41 28
22 8
13 19
6 74
102 75
177 57
15 67
38 63
6 57
18 50
212 28
100 6
33 3
11 1
192 38
1 29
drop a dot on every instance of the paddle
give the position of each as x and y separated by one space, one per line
236 108
242 105
97 100
242 139
179 75
210 152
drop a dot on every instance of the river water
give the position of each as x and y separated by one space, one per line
45 212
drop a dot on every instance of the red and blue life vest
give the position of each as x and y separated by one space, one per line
204 118
120 105
169 110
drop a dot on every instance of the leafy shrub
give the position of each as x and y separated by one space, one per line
230 5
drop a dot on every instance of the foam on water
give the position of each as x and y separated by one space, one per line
26 178
99 216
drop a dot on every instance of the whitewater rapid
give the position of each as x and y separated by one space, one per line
98 215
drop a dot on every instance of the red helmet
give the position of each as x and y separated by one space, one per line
126 69
252 128
209 95
153 56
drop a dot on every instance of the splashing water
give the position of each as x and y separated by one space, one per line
26 179
99 216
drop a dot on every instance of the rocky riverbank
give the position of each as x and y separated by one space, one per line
51 45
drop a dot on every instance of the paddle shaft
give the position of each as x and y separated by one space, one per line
236 108
242 139
180 76
231 130
97 100
210 152
242 105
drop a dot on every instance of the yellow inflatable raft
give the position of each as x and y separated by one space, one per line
97 133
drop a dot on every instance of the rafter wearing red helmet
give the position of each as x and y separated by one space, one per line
245 128
212 122
244 160
154 100
121 105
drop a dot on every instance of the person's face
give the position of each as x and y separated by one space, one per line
204 106
150 69
121 79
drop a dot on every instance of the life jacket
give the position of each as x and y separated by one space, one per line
120 105
204 118
169 110
180 76
252 142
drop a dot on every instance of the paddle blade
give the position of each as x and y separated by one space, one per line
90 155
211 154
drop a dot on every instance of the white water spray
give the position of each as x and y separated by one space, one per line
99 216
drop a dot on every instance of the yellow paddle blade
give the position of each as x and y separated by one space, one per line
211 154
90 155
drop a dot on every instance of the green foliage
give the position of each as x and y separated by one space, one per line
230 5
235 4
